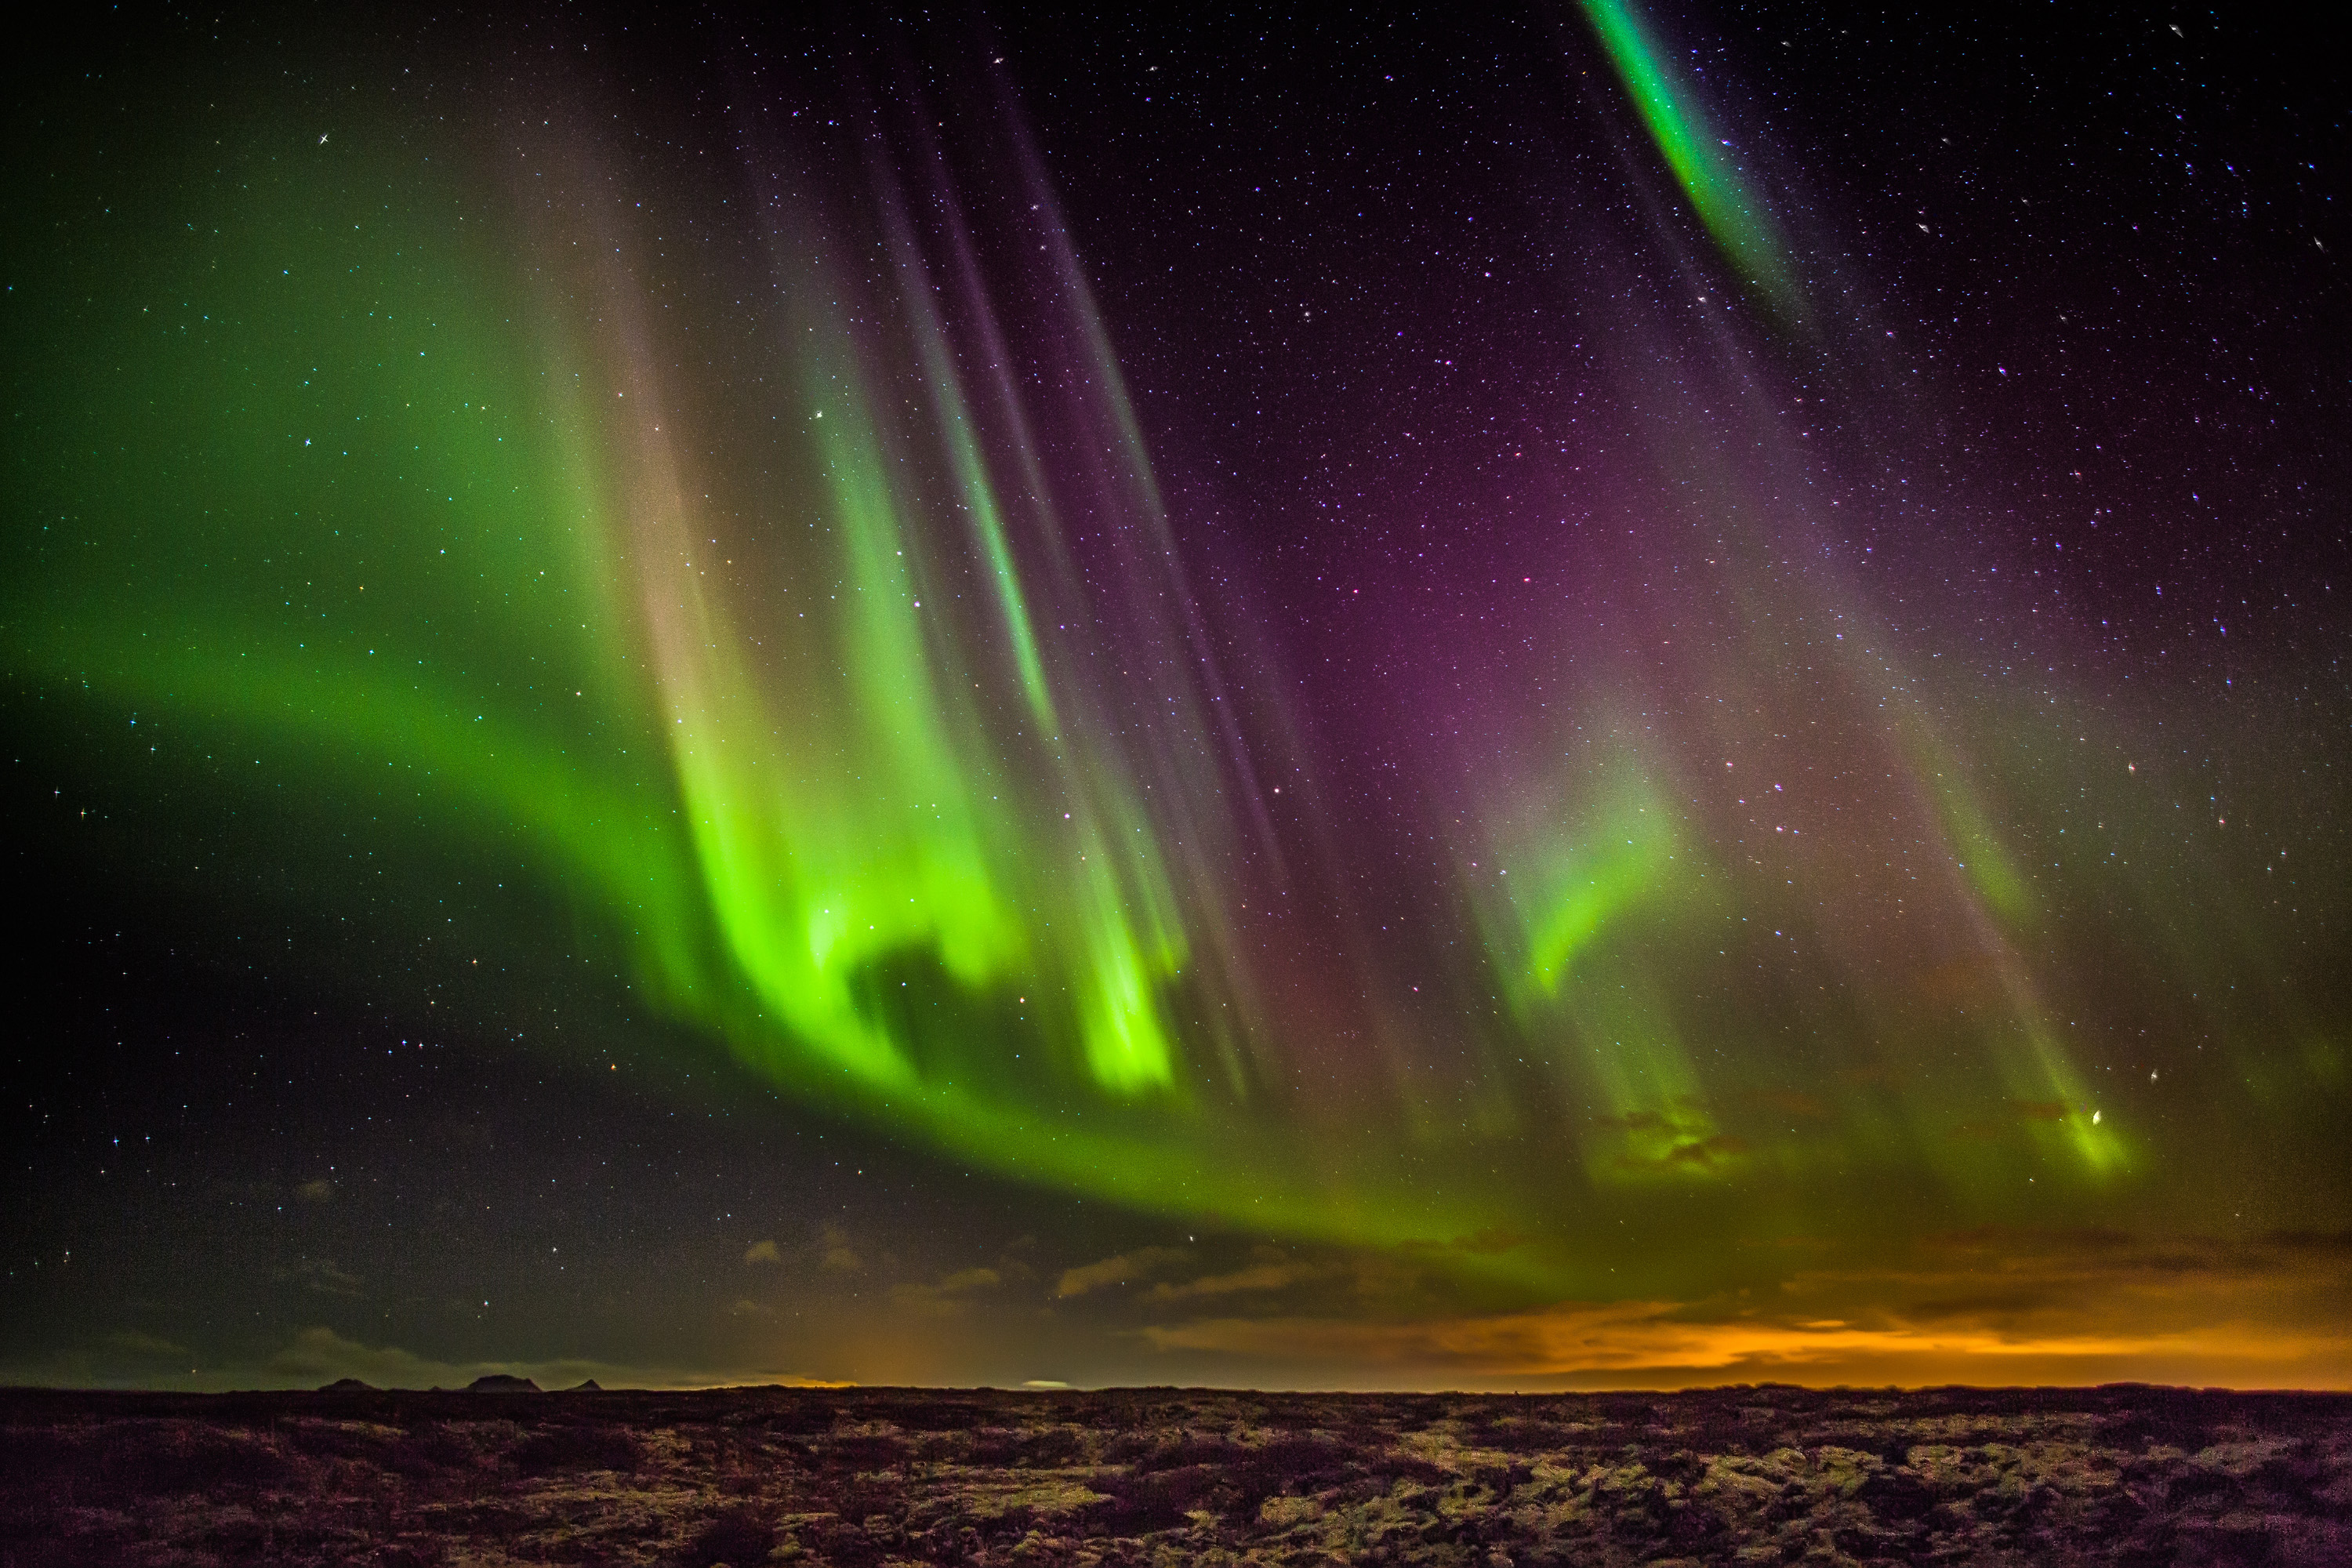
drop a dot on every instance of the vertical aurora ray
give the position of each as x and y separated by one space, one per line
1127 1048
877 799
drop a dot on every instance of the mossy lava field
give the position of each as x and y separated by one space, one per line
868 1478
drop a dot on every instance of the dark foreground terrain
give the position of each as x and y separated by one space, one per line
872 1476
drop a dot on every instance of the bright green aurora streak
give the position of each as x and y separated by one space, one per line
1670 113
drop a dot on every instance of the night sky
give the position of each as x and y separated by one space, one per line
1462 698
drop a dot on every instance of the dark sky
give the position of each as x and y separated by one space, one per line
1501 698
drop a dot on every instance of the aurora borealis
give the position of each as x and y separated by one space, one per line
1599 696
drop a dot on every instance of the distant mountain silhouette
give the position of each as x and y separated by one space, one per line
348 1385
502 1382
586 1386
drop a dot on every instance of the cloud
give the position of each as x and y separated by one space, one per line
838 1256
1649 1341
944 1299
1790 1102
1126 1267
1490 1243
1698 1154
748 1308
763 1252
2015 1113
1272 1270
1680 1137
319 1274
2019 1276
1990 1305
1636 1121
132 1341
1264 1276
1494 1243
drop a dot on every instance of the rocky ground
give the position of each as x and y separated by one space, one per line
2124 1475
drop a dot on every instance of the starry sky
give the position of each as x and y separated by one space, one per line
1536 697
